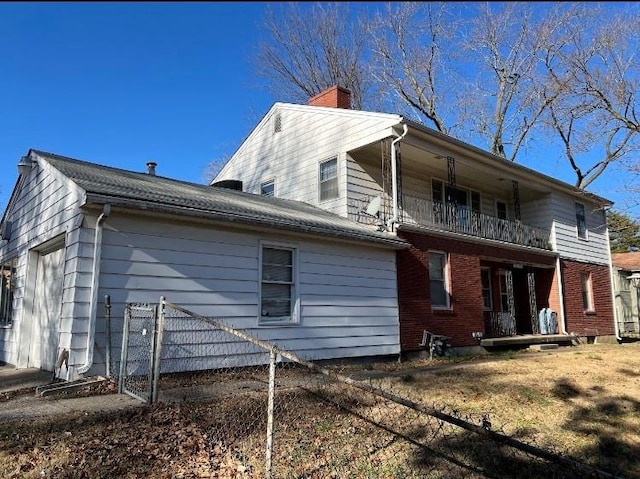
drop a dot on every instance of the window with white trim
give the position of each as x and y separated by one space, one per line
581 221
439 279
501 210
268 188
277 285
487 294
7 286
328 184
587 291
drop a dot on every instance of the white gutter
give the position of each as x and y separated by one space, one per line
394 177
95 273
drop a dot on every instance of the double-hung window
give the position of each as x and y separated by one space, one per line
587 292
328 185
7 286
268 188
439 279
581 221
277 285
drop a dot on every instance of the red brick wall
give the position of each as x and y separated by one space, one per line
335 97
466 314
585 323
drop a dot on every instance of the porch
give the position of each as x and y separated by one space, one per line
457 218
527 340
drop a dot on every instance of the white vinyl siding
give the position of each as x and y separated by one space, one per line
346 294
566 241
45 206
309 135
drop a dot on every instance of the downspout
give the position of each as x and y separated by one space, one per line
95 273
562 324
394 178
616 329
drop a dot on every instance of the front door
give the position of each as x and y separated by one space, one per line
507 303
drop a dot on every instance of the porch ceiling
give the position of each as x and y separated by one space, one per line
420 163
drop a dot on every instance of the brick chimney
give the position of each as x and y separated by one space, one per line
334 97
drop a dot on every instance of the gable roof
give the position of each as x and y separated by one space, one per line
627 261
142 191
398 120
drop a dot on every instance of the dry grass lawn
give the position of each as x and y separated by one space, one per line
583 401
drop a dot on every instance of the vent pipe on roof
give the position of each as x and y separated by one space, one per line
151 168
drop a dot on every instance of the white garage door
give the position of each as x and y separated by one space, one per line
47 304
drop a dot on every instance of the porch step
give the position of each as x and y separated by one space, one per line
543 347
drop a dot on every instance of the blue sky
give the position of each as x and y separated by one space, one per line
121 84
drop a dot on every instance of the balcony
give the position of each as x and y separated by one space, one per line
461 219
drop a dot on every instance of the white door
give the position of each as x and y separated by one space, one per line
47 304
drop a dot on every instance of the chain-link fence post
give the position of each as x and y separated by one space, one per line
157 350
270 406
125 341
107 319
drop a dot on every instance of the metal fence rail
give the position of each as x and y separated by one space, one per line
273 413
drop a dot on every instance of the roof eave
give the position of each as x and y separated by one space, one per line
226 217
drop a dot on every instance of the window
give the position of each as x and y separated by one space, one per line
329 179
501 210
7 285
581 221
487 295
278 285
504 292
438 280
587 291
268 188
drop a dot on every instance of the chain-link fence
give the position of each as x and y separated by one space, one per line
272 413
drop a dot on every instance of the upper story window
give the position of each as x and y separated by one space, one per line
501 210
581 221
587 291
268 188
439 279
328 179
277 285
442 193
7 286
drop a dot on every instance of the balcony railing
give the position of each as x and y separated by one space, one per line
461 219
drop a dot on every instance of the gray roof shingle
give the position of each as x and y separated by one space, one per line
144 191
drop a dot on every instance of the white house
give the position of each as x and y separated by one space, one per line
295 274
493 242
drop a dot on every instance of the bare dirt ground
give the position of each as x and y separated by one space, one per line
581 401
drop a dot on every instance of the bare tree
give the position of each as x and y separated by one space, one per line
493 74
596 112
310 48
412 61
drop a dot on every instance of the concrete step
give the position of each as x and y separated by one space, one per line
543 347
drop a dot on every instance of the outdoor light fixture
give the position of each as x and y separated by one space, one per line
25 165
634 279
